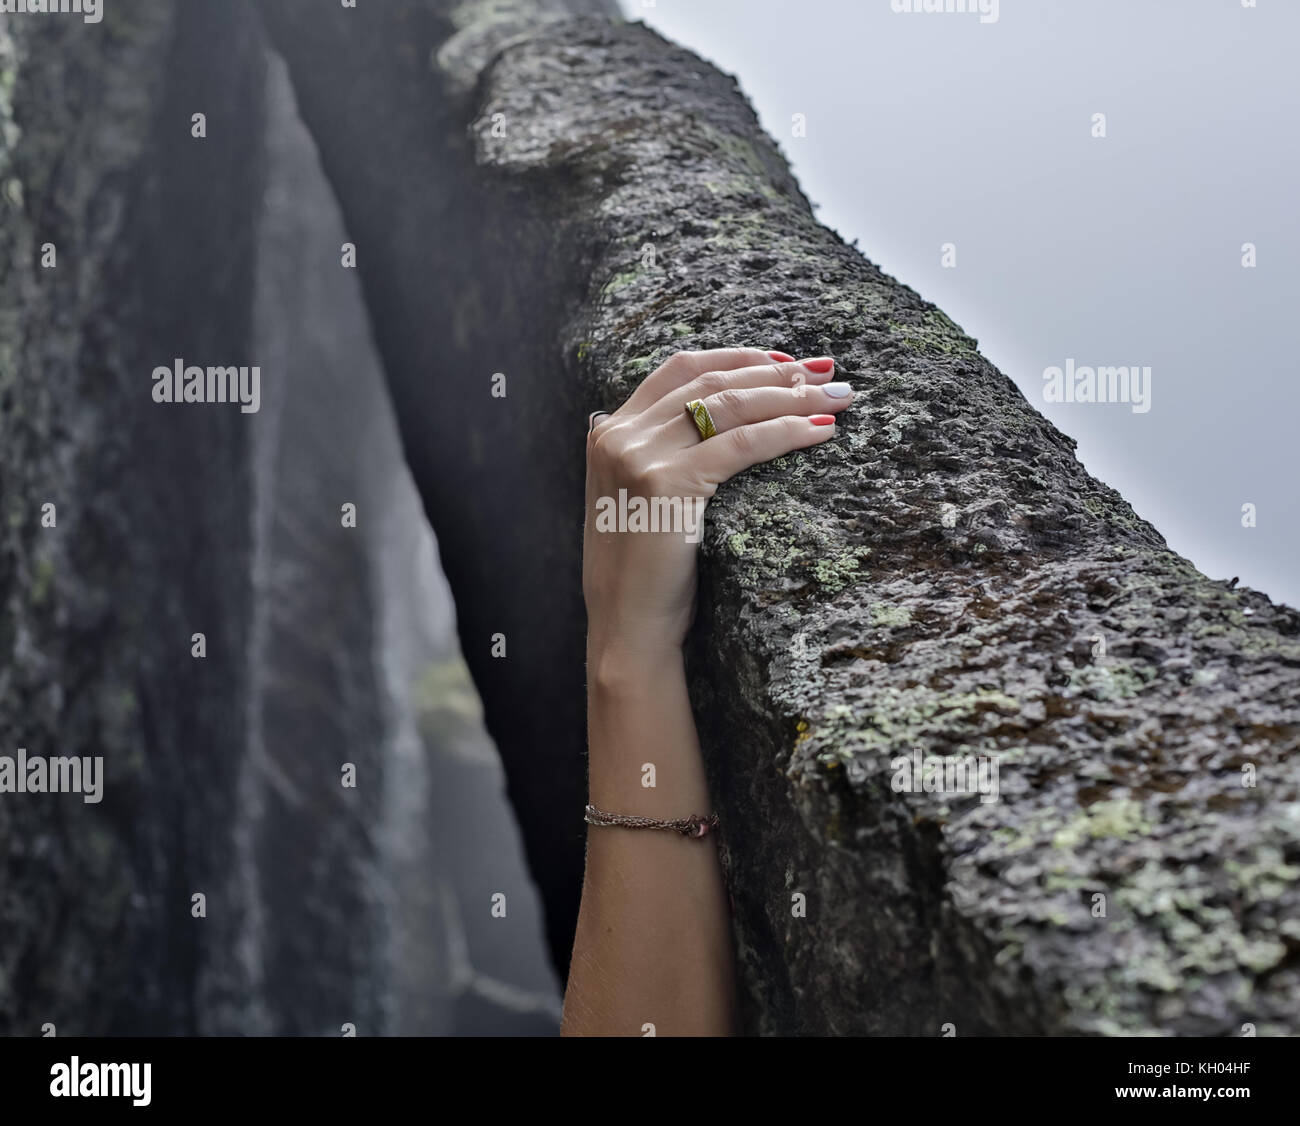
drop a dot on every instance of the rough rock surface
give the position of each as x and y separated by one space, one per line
371 903
460 290
325 645
152 543
944 576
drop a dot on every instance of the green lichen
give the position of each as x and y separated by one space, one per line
735 233
619 281
749 230
936 334
1201 933
896 417
42 581
9 130
900 719
890 616
741 186
834 573
446 701
1107 507
738 149
1267 878
1121 818
1110 682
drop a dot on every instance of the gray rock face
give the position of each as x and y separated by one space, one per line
372 903
325 645
463 296
152 542
943 578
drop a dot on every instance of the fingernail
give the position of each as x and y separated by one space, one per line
822 419
820 366
781 357
837 390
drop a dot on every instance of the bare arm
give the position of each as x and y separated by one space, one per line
653 944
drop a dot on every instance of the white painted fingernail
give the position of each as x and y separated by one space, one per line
837 390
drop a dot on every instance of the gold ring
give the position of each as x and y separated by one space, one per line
700 416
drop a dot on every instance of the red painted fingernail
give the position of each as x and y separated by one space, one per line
781 357
822 419
819 367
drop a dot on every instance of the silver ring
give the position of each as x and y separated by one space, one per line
591 419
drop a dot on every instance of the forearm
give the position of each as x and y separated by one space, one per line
653 942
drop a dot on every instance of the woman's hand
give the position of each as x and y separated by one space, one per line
653 943
640 588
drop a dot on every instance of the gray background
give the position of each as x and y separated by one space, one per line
927 128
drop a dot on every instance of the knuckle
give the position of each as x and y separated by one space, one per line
668 368
710 383
605 445
730 400
646 478
742 439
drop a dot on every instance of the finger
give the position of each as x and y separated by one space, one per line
680 368
791 376
740 406
725 455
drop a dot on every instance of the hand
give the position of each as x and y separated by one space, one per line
639 585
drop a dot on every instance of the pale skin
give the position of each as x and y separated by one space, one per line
653 943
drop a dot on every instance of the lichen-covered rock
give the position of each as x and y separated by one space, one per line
116 256
324 905
943 578
371 899
465 298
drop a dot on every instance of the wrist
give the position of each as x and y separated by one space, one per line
619 666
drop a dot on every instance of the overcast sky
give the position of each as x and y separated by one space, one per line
933 128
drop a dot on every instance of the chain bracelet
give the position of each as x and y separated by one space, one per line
694 826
